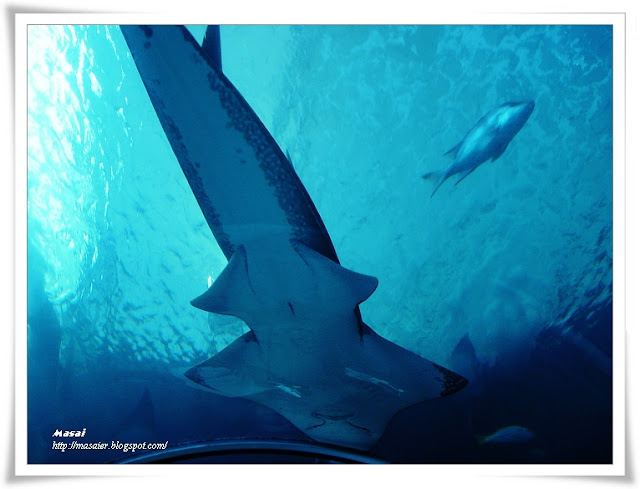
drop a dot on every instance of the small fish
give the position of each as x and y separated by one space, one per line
510 434
489 138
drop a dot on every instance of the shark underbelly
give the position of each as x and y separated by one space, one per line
308 355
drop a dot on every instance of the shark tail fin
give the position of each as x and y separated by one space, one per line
441 176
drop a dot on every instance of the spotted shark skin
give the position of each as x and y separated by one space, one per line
309 355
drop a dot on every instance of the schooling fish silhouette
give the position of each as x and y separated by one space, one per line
489 138
309 355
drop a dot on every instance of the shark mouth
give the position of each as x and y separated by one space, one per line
309 356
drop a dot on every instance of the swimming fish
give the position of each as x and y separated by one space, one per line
488 139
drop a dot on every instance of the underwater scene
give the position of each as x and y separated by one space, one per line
281 244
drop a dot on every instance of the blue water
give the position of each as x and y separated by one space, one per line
513 266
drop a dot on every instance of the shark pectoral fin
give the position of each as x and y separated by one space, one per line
237 371
231 290
402 373
350 287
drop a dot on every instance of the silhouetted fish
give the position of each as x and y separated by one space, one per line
489 138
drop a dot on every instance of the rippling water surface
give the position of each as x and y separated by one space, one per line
516 260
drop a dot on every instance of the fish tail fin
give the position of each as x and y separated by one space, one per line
441 176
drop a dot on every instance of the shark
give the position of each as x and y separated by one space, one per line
487 139
309 355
